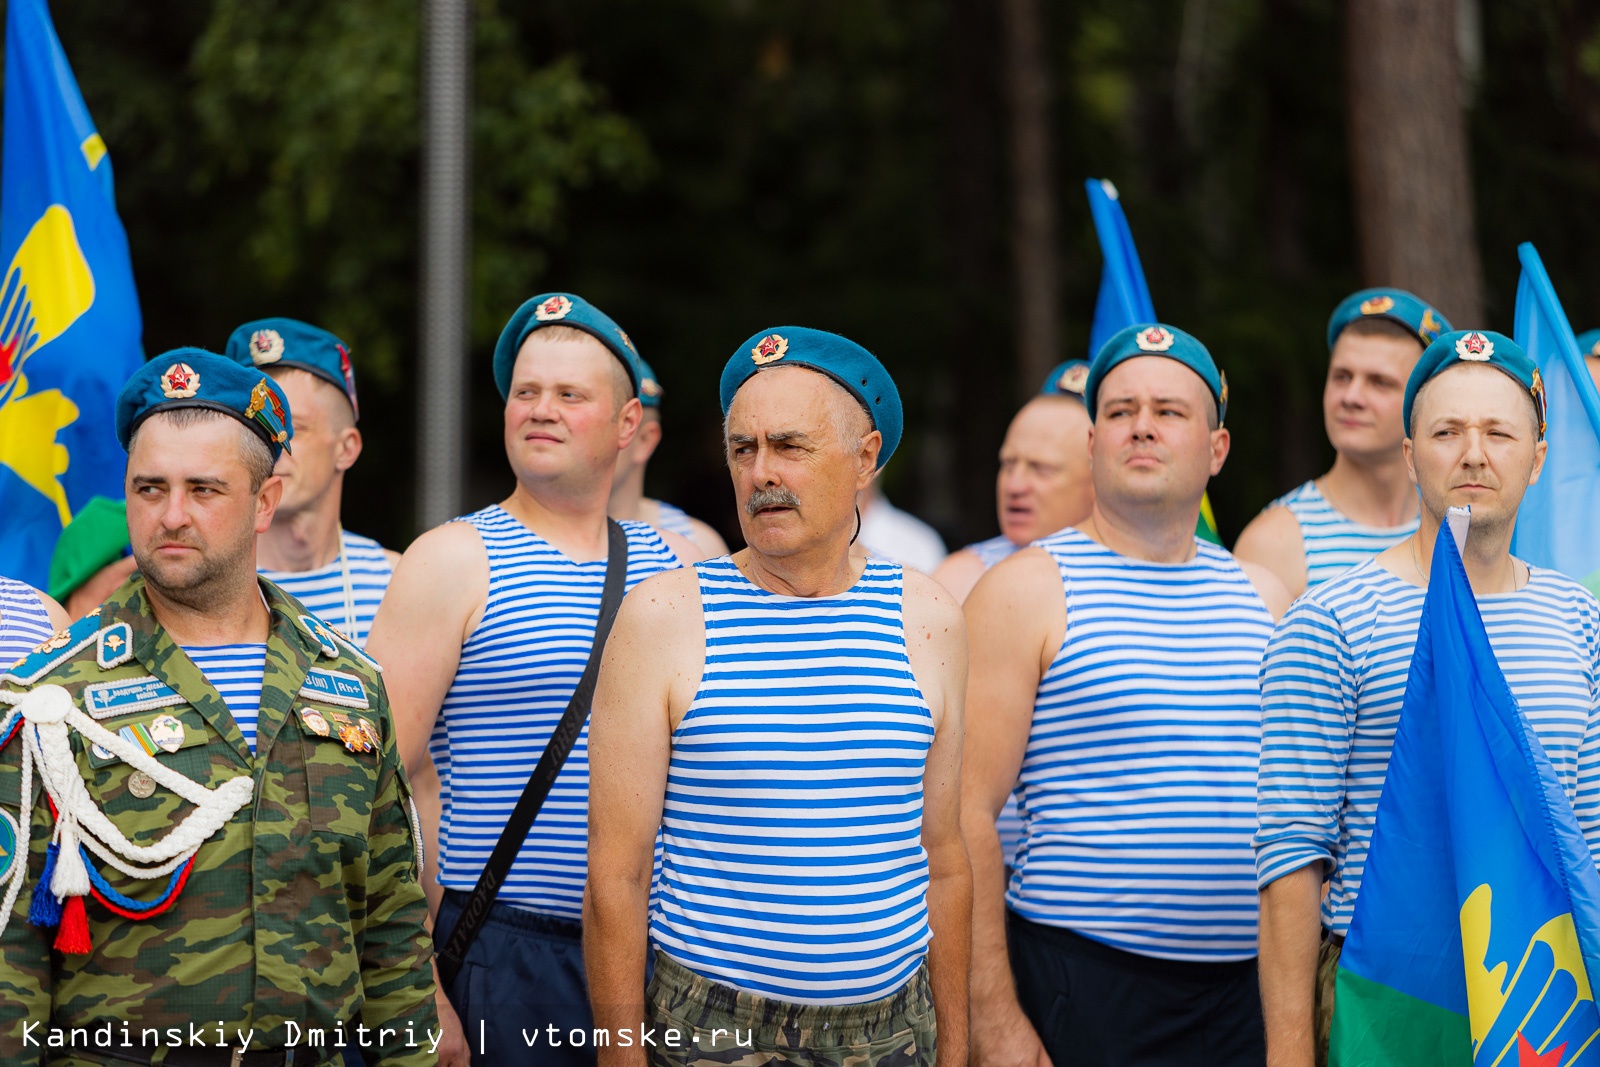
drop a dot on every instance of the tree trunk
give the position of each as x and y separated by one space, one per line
1033 237
1408 152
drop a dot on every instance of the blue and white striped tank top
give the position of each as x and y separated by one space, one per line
236 673
792 862
993 550
673 520
517 672
1332 685
24 625
1138 785
1333 542
322 590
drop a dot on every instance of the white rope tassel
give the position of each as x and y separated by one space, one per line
50 717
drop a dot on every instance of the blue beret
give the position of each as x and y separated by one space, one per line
1068 379
1396 305
195 378
291 343
649 386
838 357
1476 346
561 309
1589 343
1156 339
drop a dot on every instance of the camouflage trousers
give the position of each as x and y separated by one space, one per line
724 1027
1327 971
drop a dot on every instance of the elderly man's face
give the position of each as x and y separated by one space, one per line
799 449
1474 442
1152 442
1044 481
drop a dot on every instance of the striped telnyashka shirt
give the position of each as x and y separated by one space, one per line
236 673
1332 684
1334 543
993 550
517 672
792 862
24 625
322 590
673 519
1138 785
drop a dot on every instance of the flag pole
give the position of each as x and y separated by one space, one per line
446 233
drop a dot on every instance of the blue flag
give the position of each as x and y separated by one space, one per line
1478 924
1558 524
69 316
1124 298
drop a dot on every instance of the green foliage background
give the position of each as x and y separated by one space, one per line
706 168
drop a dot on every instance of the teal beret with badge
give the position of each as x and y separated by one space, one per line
1068 379
1157 339
1396 305
840 358
1589 343
561 309
649 386
267 343
1476 346
195 378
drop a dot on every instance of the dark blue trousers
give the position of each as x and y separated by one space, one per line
523 975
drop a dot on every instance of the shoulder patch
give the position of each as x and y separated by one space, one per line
115 646
323 634
103 700
335 687
63 646
10 833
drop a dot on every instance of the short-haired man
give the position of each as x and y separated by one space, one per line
341 576
627 488
1114 685
1043 485
485 631
1334 675
27 619
233 802
788 720
1365 503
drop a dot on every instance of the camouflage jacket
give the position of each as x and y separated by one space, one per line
304 909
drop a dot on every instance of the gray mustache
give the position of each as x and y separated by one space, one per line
768 498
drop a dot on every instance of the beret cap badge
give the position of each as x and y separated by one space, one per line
1475 348
1377 305
627 340
266 346
1073 379
648 387
1431 326
180 382
1155 339
769 349
556 308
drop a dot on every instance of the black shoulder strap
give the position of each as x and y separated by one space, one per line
476 910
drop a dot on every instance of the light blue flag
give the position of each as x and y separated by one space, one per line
1124 298
1558 525
69 316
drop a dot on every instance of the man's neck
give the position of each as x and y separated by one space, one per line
1164 535
1487 556
1372 492
234 616
304 540
627 497
825 570
573 523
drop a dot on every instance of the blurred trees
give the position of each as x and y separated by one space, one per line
706 168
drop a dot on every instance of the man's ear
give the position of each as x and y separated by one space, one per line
646 440
267 502
1411 460
347 450
628 420
867 459
1539 451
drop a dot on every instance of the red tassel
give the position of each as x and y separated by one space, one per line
73 937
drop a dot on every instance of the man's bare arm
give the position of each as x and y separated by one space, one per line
1273 539
652 664
959 572
433 603
1269 587
1291 936
1016 619
936 644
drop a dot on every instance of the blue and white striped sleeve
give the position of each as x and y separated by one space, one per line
1307 716
1587 803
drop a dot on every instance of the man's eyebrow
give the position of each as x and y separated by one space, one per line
778 437
199 479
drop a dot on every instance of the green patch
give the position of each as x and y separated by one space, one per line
1376 1026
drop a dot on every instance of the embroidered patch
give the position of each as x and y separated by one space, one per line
116 646
335 687
324 635
180 382
10 833
38 664
772 347
105 700
1155 339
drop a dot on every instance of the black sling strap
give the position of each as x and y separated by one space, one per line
476 909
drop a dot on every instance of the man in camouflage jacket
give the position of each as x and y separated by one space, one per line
302 913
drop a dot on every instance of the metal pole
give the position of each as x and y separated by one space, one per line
446 231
